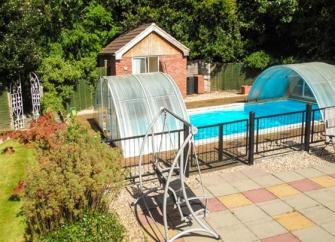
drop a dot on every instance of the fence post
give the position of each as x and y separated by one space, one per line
187 168
220 150
251 141
308 120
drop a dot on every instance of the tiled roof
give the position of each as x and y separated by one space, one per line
123 39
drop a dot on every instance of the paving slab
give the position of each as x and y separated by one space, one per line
267 180
282 190
293 221
234 200
251 213
325 181
314 234
275 207
288 176
305 185
328 168
221 189
259 195
253 172
234 176
309 172
214 205
236 233
319 214
322 195
199 238
330 205
245 185
300 201
222 219
213 180
287 237
265 229
329 227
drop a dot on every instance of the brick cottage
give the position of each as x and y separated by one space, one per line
147 48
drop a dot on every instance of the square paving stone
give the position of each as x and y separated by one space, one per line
214 205
327 168
305 185
287 237
309 172
234 200
221 189
288 176
251 213
322 195
300 201
283 190
233 177
236 233
254 172
314 234
319 214
265 229
259 195
198 238
325 181
330 205
212 179
293 221
266 181
245 185
222 219
275 207
330 227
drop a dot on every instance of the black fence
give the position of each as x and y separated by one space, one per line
238 141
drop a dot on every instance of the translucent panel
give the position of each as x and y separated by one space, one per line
307 80
128 104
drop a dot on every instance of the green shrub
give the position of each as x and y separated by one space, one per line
258 60
74 175
92 227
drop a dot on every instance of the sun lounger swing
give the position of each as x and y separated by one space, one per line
172 176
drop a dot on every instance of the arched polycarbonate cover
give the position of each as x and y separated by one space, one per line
279 81
134 100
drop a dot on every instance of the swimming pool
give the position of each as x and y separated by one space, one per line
241 112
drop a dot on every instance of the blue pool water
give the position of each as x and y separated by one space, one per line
241 112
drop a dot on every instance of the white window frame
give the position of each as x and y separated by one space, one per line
147 63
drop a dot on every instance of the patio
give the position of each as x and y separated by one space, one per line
253 204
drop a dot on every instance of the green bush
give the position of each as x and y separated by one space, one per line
92 227
74 175
258 60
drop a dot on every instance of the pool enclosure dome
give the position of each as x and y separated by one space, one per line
126 105
314 81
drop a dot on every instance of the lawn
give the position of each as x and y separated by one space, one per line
12 168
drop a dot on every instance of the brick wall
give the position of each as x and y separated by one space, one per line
123 66
175 66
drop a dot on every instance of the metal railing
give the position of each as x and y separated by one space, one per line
239 141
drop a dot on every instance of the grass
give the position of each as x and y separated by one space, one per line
12 169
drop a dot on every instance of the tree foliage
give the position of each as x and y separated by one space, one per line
62 38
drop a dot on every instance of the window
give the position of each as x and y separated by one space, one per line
145 64
302 90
